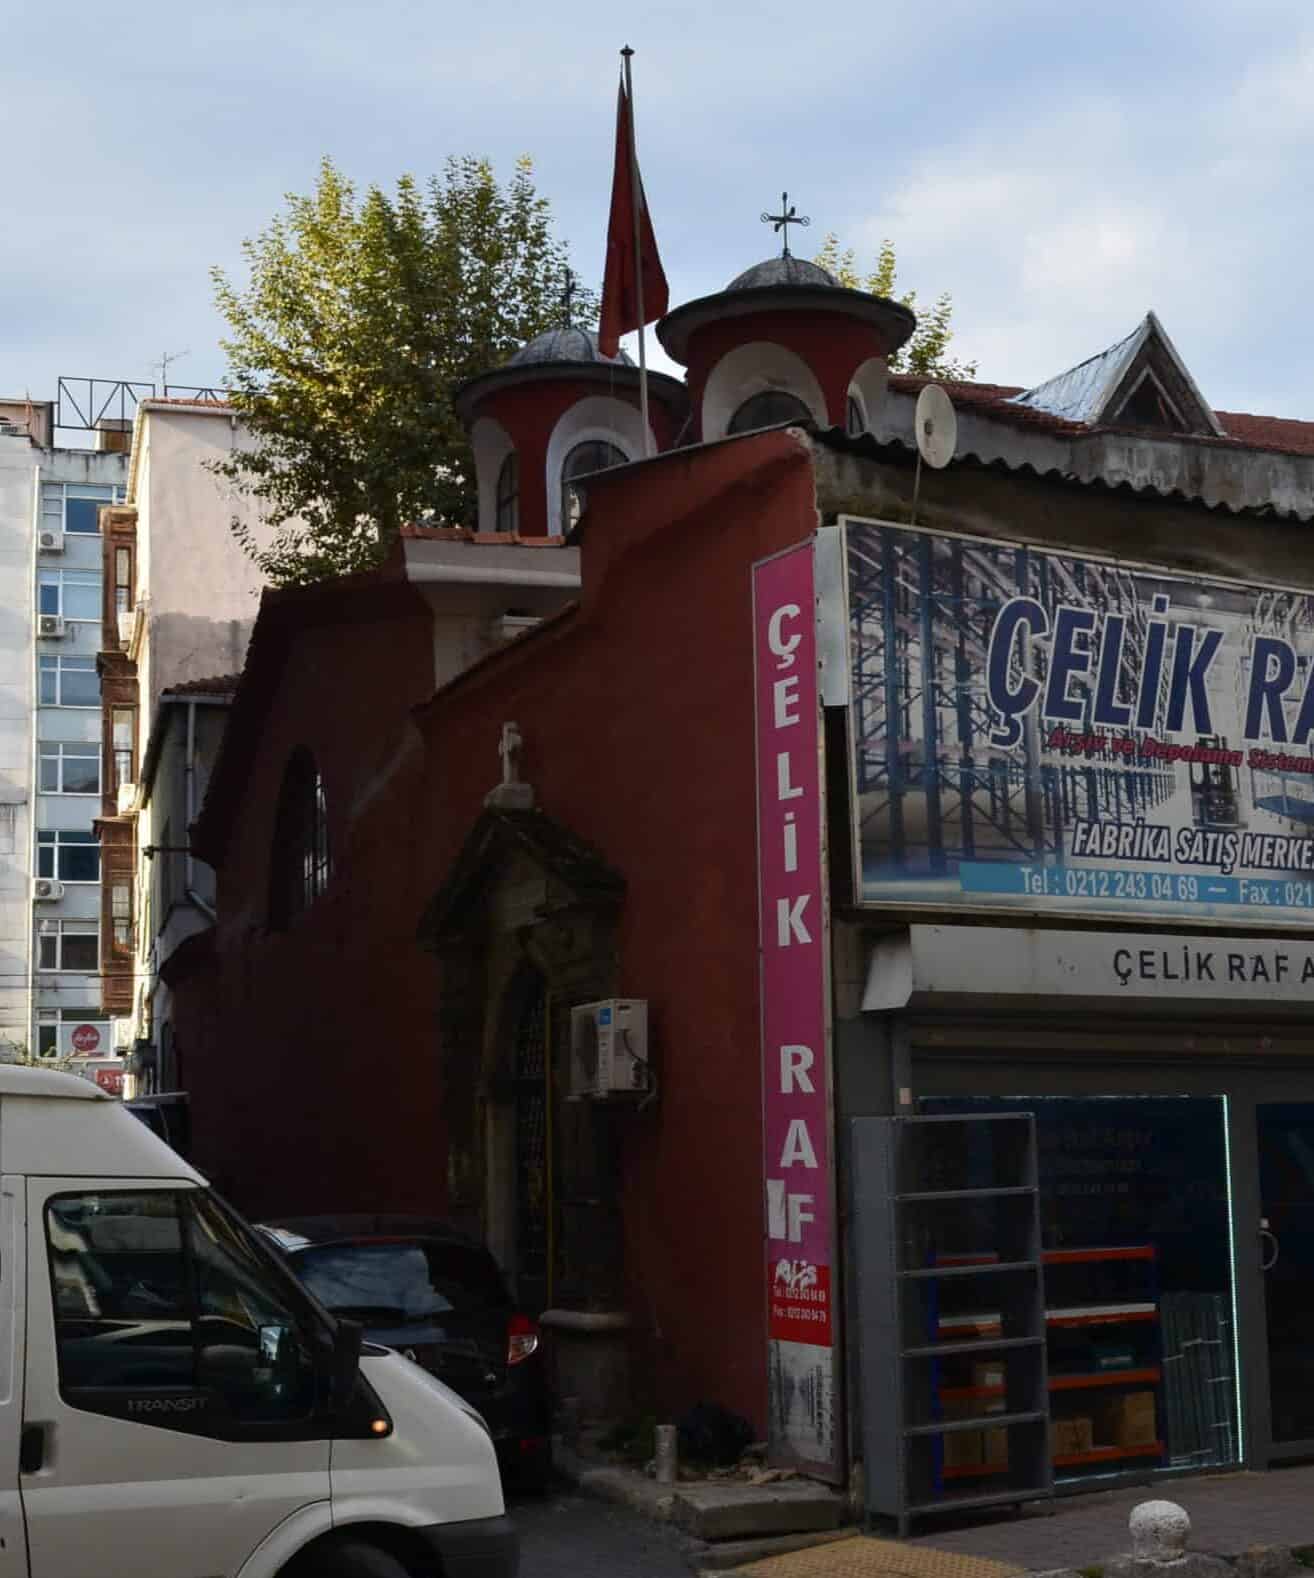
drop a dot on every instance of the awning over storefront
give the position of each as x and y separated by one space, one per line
1019 969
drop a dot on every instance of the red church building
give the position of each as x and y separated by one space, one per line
434 843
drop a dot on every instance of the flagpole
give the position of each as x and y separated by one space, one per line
636 193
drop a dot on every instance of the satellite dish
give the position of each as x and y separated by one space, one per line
936 427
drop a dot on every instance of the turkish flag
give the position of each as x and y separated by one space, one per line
624 271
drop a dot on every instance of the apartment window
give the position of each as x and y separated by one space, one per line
121 913
73 593
69 767
124 726
302 861
123 580
75 507
65 680
71 857
47 1032
69 945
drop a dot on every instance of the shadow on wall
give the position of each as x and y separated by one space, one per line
186 648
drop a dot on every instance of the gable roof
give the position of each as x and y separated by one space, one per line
1097 391
999 402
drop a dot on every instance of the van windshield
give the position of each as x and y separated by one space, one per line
410 1281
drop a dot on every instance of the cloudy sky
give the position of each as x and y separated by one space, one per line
1058 170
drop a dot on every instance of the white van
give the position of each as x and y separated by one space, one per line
174 1405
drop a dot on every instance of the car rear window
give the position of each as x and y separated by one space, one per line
411 1279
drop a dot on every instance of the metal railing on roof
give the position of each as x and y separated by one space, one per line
83 404
86 404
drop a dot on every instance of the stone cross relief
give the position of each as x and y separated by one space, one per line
512 793
509 748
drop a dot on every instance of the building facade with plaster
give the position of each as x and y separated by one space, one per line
962 865
50 733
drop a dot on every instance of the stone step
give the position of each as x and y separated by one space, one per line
737 1553
736 1512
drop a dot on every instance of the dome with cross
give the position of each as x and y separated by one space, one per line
787 270
567 344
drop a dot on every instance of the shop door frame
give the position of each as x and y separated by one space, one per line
936 1071
1263 1088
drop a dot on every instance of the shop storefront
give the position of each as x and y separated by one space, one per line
1174 1173
1073 1063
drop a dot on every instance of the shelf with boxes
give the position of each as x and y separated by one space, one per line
1103 1360
949 1226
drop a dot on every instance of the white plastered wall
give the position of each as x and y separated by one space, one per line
867 387
491 444
597 419
752 369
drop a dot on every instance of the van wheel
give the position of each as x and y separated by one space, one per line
352 1559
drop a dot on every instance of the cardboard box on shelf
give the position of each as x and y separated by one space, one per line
989 1373
964 1448
1128 1420
1072 1435
996 1445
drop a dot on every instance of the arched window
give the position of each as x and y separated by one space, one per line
595 454
302 861
767 409
508 495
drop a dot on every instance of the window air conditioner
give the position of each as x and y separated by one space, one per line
51 625
51 541
609 1050
47 888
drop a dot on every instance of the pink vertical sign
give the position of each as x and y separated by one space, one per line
794 951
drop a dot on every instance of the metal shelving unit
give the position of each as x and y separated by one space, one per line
946 1225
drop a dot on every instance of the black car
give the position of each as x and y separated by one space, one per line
438 1298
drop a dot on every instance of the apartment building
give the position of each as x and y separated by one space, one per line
179 600
51 495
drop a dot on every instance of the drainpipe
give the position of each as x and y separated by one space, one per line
189 780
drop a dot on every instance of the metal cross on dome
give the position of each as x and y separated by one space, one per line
787 216
568 296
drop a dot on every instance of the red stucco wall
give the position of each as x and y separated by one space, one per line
638 725
312 1056
301 1049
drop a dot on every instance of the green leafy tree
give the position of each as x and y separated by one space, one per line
926 351
359 320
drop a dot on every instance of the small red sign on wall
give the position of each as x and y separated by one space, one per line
86 1038
110 1080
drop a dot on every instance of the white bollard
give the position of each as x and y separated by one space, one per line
667 1454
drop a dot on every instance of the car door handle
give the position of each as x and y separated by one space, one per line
32 1449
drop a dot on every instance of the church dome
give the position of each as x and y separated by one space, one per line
782 271
565 345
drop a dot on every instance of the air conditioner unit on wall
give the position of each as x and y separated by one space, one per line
46 888
51 625
50 541
609 1050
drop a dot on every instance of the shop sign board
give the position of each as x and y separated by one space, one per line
1034 731
936 966
86 1038
800 1259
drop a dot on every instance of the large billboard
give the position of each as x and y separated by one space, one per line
1035 731
799 1281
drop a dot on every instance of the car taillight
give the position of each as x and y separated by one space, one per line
521 1339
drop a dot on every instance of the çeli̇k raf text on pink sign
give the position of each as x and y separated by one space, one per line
793 942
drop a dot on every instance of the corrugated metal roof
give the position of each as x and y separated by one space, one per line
1080 394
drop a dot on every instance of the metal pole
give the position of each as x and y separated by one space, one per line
636 198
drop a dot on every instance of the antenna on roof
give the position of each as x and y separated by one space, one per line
163 364
935 426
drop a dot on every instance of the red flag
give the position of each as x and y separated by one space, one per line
624 272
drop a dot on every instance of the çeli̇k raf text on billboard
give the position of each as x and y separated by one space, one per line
1035 730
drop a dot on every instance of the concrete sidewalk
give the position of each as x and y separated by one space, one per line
1229 1512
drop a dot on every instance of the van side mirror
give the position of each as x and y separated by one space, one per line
346 1362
